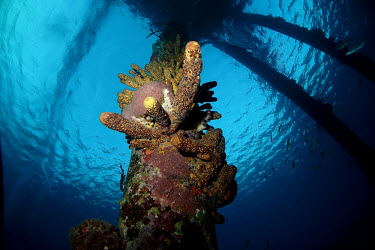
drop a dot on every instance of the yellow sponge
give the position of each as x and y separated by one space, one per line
149 102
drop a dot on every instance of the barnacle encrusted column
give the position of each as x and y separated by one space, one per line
178 176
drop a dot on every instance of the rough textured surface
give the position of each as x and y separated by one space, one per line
125 97
156 112
117 122
171 186
165 66
95 234
178 176
154 89
188 87
175 108
162 209
187 145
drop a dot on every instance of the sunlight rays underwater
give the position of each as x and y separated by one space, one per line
60 72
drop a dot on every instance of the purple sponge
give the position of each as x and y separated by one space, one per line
152 89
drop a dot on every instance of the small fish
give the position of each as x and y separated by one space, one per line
280 127
286 161
355 49
273 169
122 179
307 130
271 138
288 144
341 45
265 177
293 163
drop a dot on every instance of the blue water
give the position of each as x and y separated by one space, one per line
59 64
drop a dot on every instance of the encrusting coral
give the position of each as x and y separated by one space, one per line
178 176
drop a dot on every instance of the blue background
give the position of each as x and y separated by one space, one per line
59 62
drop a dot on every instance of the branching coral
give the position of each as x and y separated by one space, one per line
178 175
155 115
125 97
175 107
165 66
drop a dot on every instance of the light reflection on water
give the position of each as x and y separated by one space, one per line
60 72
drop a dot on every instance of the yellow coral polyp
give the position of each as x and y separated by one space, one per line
149 125
149 103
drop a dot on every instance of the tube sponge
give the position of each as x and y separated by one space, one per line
152 91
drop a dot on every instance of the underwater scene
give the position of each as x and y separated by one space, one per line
190 124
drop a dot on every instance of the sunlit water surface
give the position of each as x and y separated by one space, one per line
59 66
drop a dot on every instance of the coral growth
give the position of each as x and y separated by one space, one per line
135 129
185 144
125 97
157 91
95 234
188 87
162 206
165 66
170 186
178 176
177 106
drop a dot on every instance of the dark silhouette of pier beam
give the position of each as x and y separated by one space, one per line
319 111
315 38
204 19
